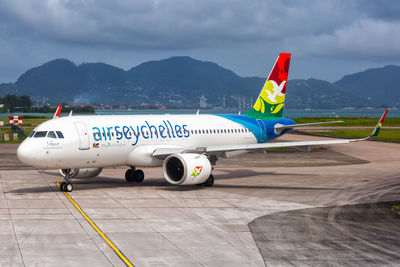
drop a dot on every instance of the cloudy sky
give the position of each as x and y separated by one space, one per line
328 38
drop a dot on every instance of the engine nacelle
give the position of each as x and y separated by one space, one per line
188 168
81 173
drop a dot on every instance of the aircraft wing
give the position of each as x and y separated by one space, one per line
57 113
163 152
277 144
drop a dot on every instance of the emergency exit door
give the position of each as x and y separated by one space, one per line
83 135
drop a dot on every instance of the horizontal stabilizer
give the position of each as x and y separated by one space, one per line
280 127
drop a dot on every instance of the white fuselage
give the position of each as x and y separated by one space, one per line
103 141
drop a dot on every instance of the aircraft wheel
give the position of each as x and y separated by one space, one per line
68 187
62 186
210 181
129 175
138 176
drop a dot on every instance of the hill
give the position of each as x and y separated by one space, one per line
182 81
380 86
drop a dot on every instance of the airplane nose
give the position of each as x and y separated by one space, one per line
25 153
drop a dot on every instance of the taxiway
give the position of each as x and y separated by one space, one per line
290 207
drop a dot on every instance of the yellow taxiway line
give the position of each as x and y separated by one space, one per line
108 241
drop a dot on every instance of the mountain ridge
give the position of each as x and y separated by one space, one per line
181 82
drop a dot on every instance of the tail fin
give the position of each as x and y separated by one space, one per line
271 100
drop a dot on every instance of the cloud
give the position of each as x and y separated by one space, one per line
364 39
237 34
163 24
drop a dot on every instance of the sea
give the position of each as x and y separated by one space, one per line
289 113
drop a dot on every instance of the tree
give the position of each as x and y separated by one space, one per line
25 103
9 102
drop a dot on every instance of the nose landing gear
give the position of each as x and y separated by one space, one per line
66 186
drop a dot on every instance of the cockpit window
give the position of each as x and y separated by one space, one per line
51 134
40 134
32 134
59 134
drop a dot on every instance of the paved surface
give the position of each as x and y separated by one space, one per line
349 235
159 224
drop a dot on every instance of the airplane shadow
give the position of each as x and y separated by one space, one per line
245 173
108 182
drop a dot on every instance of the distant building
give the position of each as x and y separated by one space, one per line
203 102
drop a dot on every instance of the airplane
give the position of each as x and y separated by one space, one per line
186 146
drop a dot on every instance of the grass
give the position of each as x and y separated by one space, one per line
28 126
32 121
386 135
352 121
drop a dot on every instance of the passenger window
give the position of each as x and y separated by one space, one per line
40 134
51 134
59 134
32 134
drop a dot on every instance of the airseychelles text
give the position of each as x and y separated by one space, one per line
147 130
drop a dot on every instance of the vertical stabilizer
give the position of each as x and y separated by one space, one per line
271 100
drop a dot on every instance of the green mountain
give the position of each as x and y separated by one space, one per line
182 81
380 86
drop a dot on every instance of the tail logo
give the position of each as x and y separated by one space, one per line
276 91
271 97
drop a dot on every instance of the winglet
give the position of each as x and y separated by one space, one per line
57 113
378 127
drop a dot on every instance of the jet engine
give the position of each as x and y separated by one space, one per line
81 173
188 168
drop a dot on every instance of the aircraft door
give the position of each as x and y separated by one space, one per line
83 135
263 130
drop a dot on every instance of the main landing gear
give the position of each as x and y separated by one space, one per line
66 186
133 175
209 182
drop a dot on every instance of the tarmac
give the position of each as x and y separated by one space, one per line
329 206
